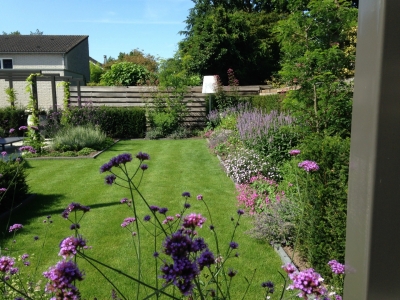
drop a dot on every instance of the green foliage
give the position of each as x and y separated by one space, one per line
266 103
77 138
12 96
14 180
11 118
116 122
95 73
323 196
165 122
228 35
124 74
314 45
173 74
275 223
137 57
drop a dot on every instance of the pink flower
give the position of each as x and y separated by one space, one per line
309 165
128 221
193 220
15 227
294 152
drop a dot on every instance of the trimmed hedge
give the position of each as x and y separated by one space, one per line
116 122
322 234
266 103
11 118
13 178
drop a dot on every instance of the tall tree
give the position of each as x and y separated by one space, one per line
318 53
227 34
37 32
12 33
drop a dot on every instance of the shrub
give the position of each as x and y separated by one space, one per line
14 180
266 103
11 118
324 199
77 138
244 163
275 223
52 125
165 122
116 122
125 74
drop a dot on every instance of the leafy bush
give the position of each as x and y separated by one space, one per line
77 138
324 199
125 74
165 122
13 179
52 125
244 163
266 103
275 223
11 118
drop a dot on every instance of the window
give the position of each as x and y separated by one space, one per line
6 63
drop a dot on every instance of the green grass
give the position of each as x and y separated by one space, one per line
175 166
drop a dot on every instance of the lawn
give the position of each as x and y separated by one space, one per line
175 166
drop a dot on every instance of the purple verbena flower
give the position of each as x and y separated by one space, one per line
62 277
6 264
73 206
193 220
123 200
2 190
294 152
11 130
199 197
154 208
142 156
232 273
233 245
186 194
240 212
15 227
308 282
109 179
309 165
144 167
27 148
206 259
336 267
116 162
147 218
163 210
186 205
70 245
4 153
23 128
128 221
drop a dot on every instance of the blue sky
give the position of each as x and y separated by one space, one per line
113 26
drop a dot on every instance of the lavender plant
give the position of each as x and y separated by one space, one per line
271 134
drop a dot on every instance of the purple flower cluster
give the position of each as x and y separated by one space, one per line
193 220
2 190
142 156
308 282
7 265
74 207
27 148
181 246
109 179
11 130
70 245
116 162
294 152
336 267
128 221
15 227
309 165
23 128
62 277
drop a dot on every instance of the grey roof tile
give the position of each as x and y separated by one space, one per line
39 43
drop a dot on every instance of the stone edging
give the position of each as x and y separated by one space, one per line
71 157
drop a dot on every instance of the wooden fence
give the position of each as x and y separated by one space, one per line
140 96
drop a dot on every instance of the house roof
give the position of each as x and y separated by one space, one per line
39 43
